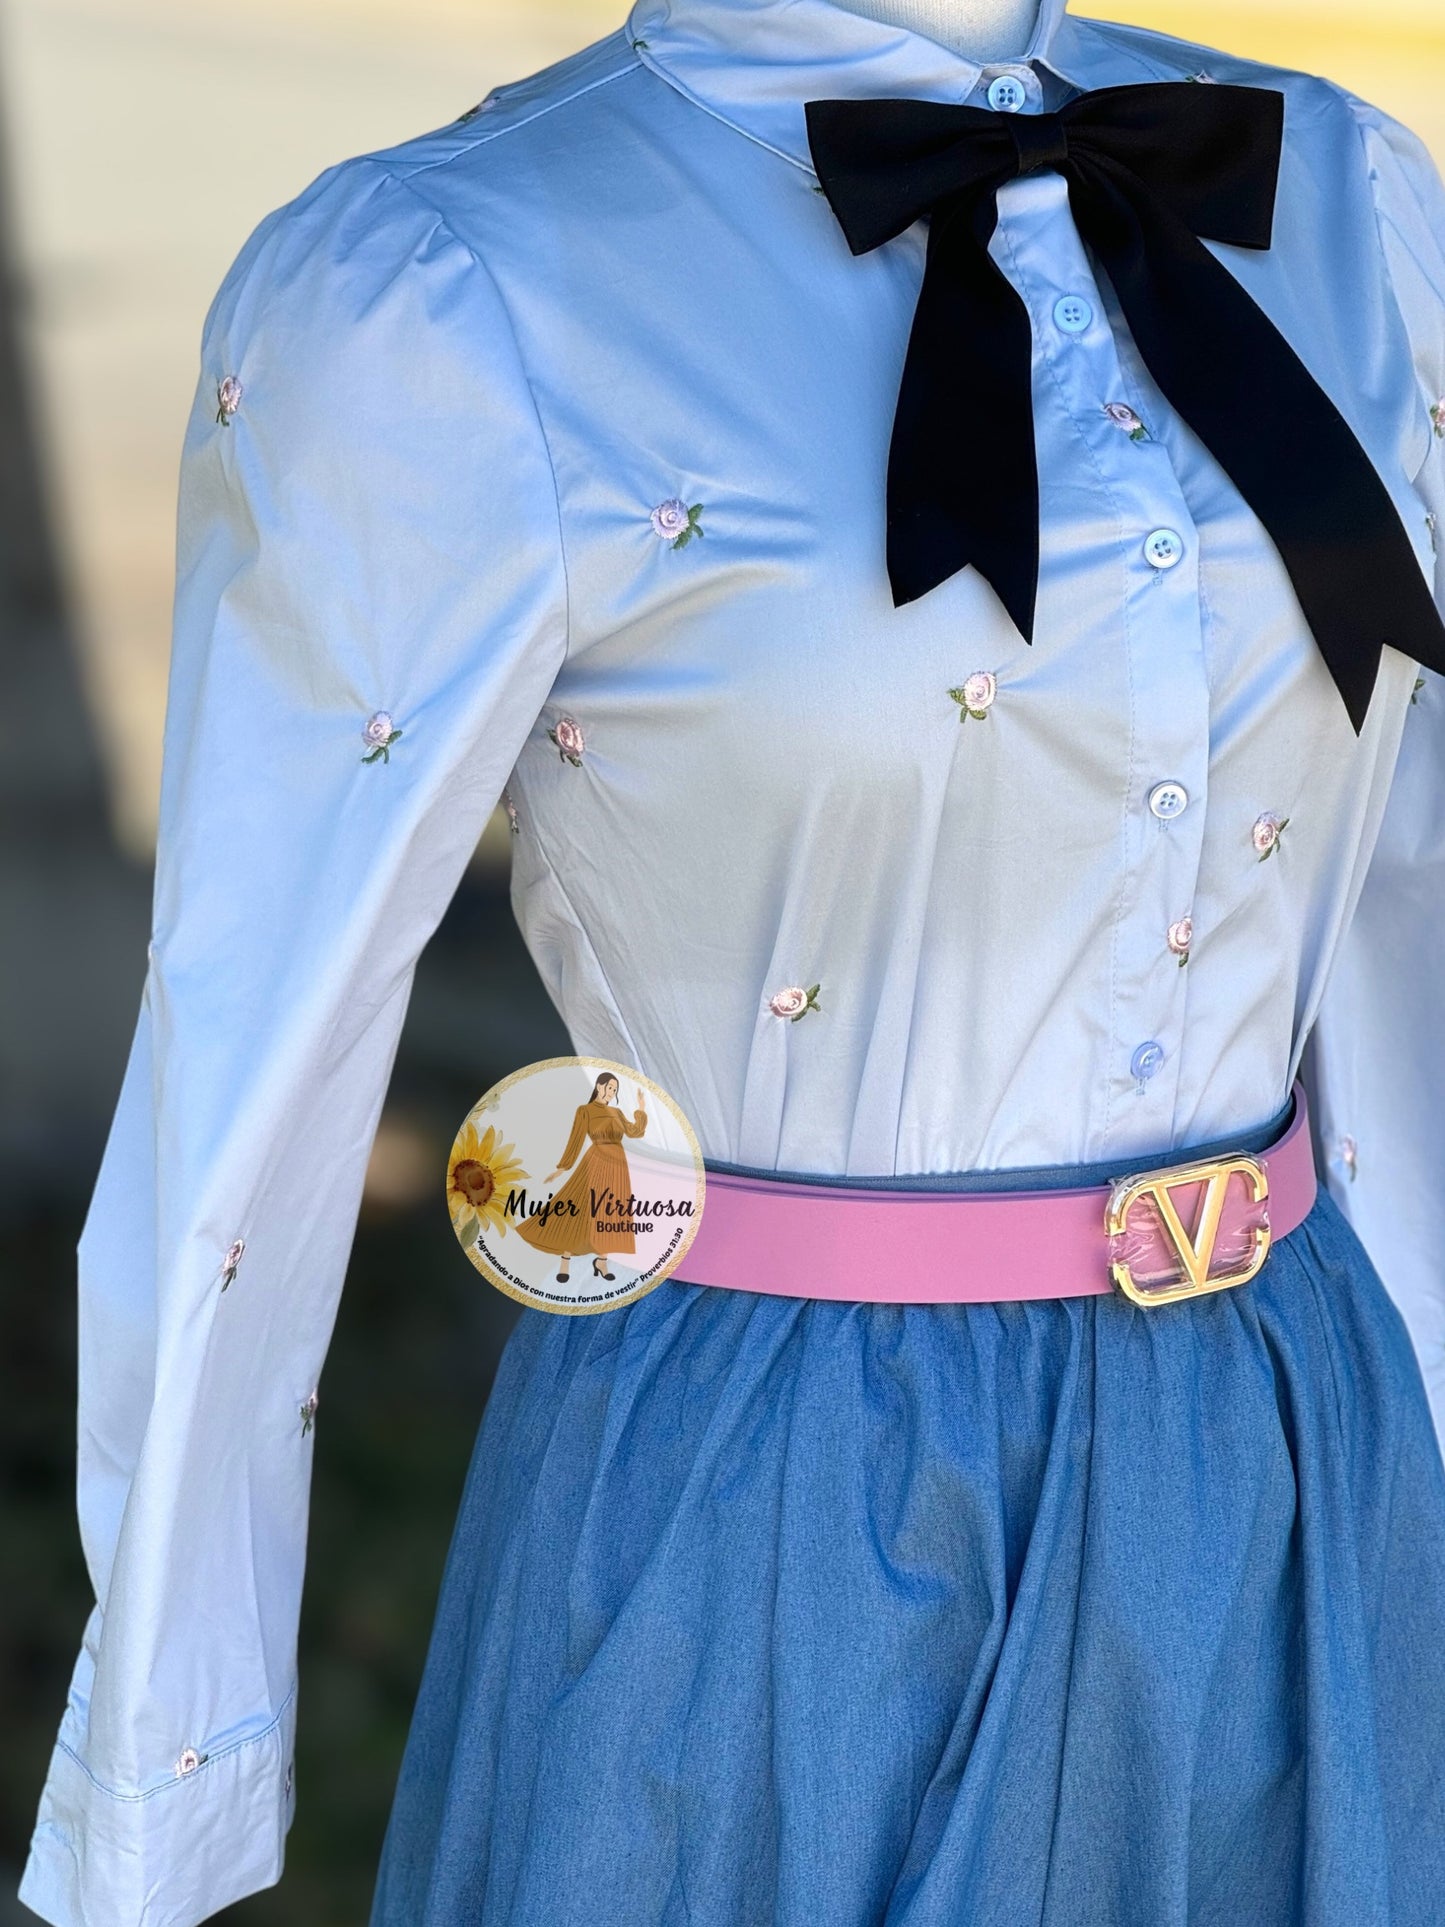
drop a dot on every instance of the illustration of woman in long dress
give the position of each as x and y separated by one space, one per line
597 1190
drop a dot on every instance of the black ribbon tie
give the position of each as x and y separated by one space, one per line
1153 172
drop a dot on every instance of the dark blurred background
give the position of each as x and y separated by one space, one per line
140 140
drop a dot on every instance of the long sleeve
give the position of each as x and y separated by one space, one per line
368 539
1377 1053
636 1125
577 1137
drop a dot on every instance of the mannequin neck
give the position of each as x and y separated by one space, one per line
980 30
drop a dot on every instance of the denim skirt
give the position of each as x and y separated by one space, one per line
777 1612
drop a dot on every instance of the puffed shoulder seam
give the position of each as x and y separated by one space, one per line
1368 119
1365 118
484 135
406 183
1407 149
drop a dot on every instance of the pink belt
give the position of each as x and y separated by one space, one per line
1163 1235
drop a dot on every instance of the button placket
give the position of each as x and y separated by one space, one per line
1170 686
1006 94
1010 87
1073 314
1165 637
1164 750
1155 940
1146 1062
1165 843
1168 800
1163 549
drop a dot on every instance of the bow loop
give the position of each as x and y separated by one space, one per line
1040 140
884 164
1153 173
1211 154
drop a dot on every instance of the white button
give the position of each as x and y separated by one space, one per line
1168 799
1006 94
1163 548
1146 1060
1073 314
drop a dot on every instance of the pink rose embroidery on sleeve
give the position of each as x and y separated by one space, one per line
794 1002
675 523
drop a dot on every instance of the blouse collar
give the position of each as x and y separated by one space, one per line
753 63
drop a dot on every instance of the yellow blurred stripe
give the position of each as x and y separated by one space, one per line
1390 52
1292 32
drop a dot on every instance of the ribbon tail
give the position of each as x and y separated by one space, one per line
962 468
1282 441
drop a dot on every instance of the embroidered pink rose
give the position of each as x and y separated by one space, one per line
308 1413
676 523
189 1760
380 732
1348 1153
1179 937
1124 417
1267 831
1437 415
510 807
228 400
794 1002
234 1253
567 734
1415 692
975 695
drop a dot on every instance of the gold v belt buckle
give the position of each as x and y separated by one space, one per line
1144 1220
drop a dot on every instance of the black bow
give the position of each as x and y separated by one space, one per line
1151 169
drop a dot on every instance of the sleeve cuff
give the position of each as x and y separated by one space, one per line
169 1857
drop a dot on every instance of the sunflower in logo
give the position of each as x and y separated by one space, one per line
482 1168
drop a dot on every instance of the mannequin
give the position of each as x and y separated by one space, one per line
980 30
943 1539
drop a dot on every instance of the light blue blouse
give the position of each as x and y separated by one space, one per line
550 448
